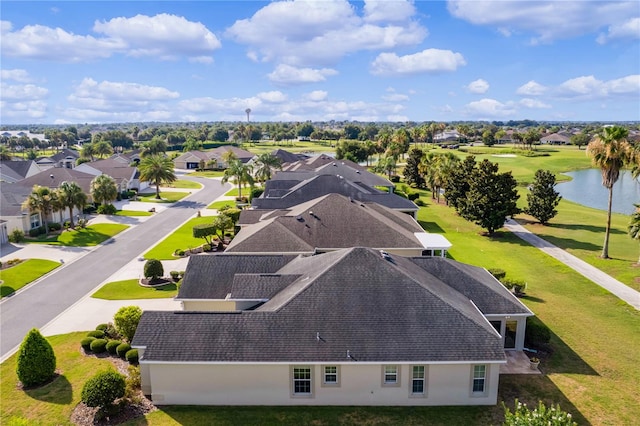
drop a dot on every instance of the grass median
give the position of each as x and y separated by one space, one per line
165 197
182 238
131 289
92 235
16 277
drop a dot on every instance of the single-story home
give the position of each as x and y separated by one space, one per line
354 326
200 159
126 176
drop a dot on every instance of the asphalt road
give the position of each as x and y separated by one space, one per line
43 301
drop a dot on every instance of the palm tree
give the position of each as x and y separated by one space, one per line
42 200
88 150
104 189
71 195
634 226
265 163
239 172
610 152
157 169
103 148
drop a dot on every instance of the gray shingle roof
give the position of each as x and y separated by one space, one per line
380 309
336 222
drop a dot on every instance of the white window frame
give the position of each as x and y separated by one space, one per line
295 369
422 379
35 220
385 374
330 370
479 376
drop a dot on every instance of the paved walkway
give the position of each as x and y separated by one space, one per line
592 273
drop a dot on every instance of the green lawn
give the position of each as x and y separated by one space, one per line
216 205
90 236
132 213
16 277
182 238
208 173
184 184
166 197
130 289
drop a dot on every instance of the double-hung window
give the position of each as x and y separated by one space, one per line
302 381
479 379
390 375
417 380
330 375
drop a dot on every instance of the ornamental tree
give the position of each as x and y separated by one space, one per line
126 321
36 359
542 198
153 269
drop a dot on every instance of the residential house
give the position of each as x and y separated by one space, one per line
556 139
201 159
64 158
287 157
16 170
126 176
349 327
331 222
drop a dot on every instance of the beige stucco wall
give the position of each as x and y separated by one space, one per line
360 384
217 305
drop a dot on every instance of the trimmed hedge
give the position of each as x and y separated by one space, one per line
132 356
122 349
86 343
103 389
498 273
112 345
36 360
98 346
98 334
102 327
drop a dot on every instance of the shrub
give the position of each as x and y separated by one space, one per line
511 283
498 273
54 226
112 345
206 247
89 209
419 202
103 389
256 192
86 343
36 361
536 333
102 327
98 346
108 209
126 321
413 196
16 236
175 275
540 416
132 356
179 252
133 382
37 231
98 334
122 349
153 269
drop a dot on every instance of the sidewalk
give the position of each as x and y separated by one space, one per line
592 273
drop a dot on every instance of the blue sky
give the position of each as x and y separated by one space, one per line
92 61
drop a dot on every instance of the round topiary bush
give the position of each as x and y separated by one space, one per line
153 269
122 349
98 334
103 389
102 327
86 343
36 360
132 356
98 346
112 345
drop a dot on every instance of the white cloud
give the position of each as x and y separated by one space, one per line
489 108
548 20
317 95
23 110
274 96
164 36
19 75
478 86
531 88
395 97
317 33
397 118
23 92
388 11
288 75
629 29
533 103
427 61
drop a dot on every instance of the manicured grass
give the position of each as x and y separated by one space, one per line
208 173
291 146
53 403
16 277
166 197
132 213
90 236
187 184
182 238
233 192
130 289
216 205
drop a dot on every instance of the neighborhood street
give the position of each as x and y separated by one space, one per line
43 301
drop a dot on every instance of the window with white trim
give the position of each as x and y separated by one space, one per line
302 381
479 379
330 375
417 379
390 375
35 220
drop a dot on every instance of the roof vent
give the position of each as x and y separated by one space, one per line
385 255
299 219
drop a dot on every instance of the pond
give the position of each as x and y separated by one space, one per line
586 189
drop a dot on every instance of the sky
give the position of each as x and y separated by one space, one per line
137 61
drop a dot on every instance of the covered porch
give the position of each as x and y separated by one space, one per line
518 363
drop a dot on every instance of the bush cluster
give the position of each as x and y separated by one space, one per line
539 416
98 346
12 262
112 345
122 349
108 209
34 232
498 273
105 338
16 236
86 343
98 334
54 226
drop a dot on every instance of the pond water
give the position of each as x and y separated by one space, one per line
586 189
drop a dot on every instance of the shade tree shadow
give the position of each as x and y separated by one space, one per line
57 391
581 227
431 227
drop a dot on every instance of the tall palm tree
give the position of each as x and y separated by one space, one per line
103 148
88 150
239 172
157 169
104 189
634 226
71 195
610 152
264 165
42 200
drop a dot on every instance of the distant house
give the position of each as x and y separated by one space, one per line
287 157
329 223
447 136
201 159
126 176
556 139
64 158
350 327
